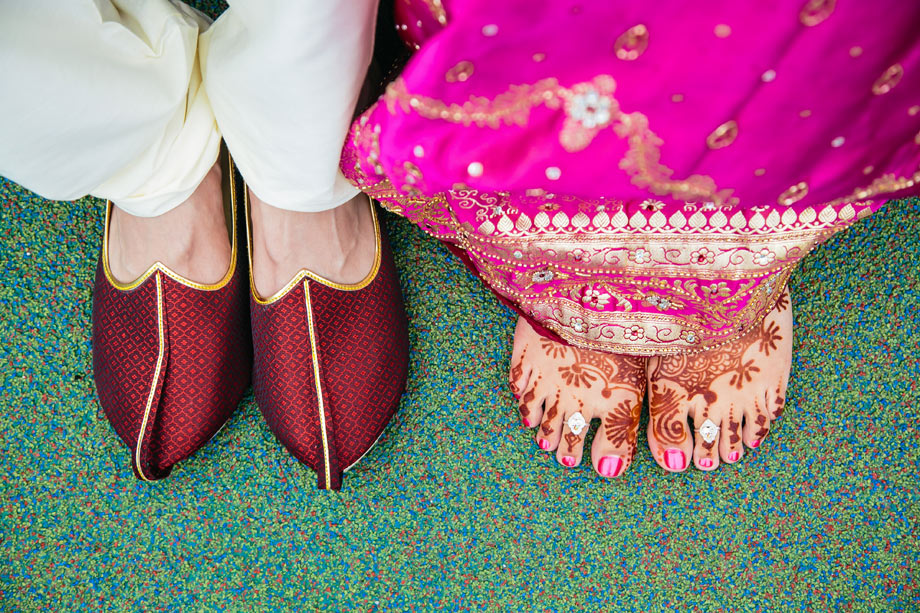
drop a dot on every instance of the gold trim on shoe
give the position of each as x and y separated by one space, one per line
316 379
159 266
306 274
156 377
369 449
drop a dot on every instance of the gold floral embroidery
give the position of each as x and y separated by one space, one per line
793 194
608 276
886 184
511 107
642 162
889 80
723 136
460 72
816 11
587 111
632 43
590 300
643 157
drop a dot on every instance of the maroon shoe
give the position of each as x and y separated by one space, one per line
171 357
330 363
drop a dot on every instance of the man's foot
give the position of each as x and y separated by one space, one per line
338 244
554 382
191 239
732 394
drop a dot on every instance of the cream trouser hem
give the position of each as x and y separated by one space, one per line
128 99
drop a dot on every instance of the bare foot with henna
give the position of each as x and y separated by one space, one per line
731 394
557 383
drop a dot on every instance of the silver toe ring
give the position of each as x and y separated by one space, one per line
709 431
576 423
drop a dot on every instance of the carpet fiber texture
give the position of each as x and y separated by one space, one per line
456 508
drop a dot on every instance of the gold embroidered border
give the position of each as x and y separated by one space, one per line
734 292
728 311
512 107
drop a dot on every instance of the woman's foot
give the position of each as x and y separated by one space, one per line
555 382
191 239
731 394
338 244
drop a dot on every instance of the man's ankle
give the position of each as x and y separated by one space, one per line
191 239
336 244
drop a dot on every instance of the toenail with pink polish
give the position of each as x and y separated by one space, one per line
674 459
755 443
734 456
706 463
568 460
544 444
610 466
527 423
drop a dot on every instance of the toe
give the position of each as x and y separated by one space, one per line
572 441
777 403
668 434
730 448
776 400
550 431
531 403
707 429
519 375
756 423
614 446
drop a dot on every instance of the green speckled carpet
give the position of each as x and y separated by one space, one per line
456 508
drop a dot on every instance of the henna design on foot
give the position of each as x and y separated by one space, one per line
524 411
782 303
761 421
571 439
742 374
780 403
527 399
734 428
769 336
552 349
619 426
669 428
550 416
696 373
611 386
730 385
516 372
577 375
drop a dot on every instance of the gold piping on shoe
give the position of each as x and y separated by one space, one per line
159 266
153 384
369 449
319 385
305 274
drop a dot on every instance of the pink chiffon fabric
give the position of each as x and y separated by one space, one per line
642 177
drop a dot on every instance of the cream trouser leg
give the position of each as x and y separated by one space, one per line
118 98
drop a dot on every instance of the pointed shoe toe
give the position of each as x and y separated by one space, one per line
330 364
171 358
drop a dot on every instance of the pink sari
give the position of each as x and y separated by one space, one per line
639 177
